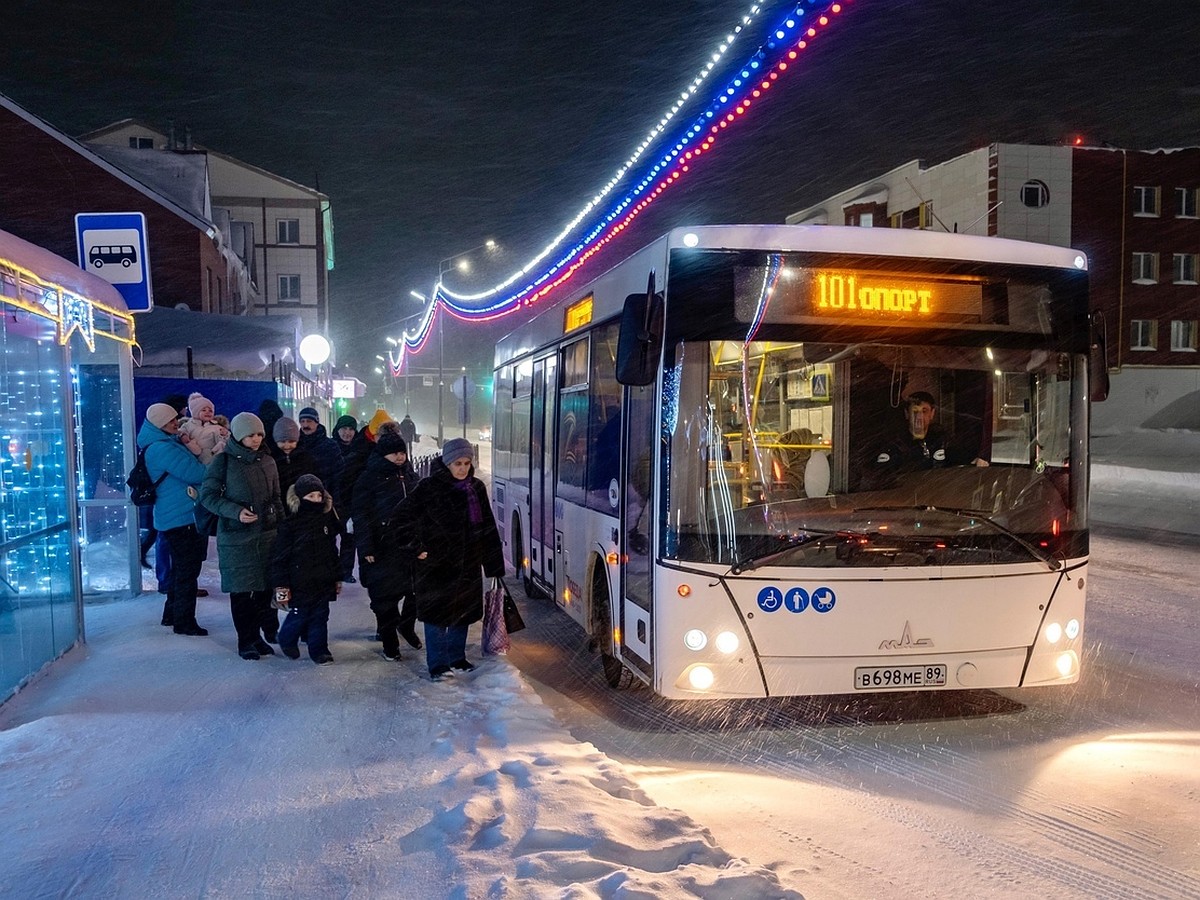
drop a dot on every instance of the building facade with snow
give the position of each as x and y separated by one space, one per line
67 530
1133 212
282 228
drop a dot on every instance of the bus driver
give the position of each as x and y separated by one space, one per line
924 446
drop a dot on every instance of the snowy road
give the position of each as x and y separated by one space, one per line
1092 791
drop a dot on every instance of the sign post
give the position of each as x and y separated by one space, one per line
462 388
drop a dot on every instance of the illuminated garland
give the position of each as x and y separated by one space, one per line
749 84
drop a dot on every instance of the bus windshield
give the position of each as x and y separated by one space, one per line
872 454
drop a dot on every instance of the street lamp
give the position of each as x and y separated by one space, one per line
445 266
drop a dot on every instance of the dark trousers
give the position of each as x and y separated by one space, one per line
253 617
313 621
187 550
390 621
445 646
162 561
346 555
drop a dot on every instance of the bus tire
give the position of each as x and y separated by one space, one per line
616 674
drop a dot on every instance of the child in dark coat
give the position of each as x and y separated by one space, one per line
305 569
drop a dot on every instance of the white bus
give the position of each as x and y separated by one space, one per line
765 460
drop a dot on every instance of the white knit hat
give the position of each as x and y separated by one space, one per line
160 415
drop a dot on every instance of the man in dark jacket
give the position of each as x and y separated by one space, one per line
323 450
385 565
355 449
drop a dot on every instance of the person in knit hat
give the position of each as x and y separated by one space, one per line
200 429
384 565
242 488
355 450
448 521
290 460
457 448
304 569
176 470
324 451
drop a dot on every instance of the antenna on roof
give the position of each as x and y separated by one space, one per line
927 203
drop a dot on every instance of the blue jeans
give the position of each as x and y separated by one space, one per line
312 621
444 646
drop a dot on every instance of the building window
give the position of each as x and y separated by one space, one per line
141 143
1143 334
1145 201
925 217
1185 203
1184 265
1035 194
287 231
1145 268
289 287
1183 335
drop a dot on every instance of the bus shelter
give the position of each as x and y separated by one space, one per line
67 530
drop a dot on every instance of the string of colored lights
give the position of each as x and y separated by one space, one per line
749 85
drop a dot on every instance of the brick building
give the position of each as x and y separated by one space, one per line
1133 212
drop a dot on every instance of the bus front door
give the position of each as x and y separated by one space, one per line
635 617
541 475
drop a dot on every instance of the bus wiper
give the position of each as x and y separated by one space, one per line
754 560
1051 562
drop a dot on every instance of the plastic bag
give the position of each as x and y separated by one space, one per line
495 641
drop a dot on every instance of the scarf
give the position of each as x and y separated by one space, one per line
474 511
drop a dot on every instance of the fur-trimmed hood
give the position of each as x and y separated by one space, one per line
293 501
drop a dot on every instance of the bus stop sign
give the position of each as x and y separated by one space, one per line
113 246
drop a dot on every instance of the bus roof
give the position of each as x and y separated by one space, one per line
630 275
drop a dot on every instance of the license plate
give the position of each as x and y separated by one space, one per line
872 678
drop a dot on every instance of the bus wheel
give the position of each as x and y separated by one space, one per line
618 677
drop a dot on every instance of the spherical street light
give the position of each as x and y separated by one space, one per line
314 349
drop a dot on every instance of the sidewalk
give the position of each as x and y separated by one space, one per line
1147 479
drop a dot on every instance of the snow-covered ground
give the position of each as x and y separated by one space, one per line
150 764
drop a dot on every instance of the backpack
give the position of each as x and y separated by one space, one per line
143 490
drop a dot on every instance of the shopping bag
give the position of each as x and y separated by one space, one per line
512 616
495 640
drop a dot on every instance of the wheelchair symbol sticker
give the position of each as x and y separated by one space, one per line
770 599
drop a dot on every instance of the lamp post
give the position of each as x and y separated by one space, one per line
459 261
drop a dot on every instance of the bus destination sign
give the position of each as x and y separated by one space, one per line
870 295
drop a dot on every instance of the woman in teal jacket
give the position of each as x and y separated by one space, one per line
167 455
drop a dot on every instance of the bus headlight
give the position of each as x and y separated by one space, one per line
1054 632
701 677
1073 629
727 642
1065 663
695 639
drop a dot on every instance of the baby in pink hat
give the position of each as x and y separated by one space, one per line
202 430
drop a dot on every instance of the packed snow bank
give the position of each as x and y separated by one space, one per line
149 763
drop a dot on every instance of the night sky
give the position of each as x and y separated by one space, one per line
434 126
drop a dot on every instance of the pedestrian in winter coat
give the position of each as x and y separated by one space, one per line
385 566
408 430
356 449
304 568
324 451
242 487
269 412
290 460
176 464
202 428
449 519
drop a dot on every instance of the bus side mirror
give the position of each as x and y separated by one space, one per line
639 345
1098 359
